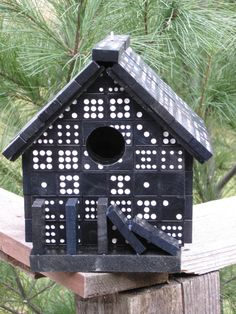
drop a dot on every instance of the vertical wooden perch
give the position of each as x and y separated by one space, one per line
71 225
102 225
38 229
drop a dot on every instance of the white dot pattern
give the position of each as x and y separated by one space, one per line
42 159
69 184
148 148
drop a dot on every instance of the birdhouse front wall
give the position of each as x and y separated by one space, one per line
106 145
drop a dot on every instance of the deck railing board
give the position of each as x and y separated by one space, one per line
213 247
214 237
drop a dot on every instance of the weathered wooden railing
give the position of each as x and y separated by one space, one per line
195 290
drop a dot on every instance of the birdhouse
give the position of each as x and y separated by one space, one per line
108 167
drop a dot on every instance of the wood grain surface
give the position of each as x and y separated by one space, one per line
182 295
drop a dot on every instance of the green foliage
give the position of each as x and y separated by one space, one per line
228 288
207 176
20 293
43 43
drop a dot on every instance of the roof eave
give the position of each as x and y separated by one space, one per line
50 112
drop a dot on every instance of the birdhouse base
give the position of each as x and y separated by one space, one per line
115 262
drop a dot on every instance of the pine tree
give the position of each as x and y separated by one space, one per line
191 44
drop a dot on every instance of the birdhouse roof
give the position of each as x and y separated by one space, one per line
114 55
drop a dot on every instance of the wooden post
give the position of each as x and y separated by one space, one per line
182 295
102 225
71 226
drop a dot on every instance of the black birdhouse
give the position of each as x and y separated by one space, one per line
107 169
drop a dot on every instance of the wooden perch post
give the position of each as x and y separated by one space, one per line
102 225
38 225
71 225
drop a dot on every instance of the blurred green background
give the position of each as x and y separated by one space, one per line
191 45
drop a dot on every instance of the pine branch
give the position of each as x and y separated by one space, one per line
228 281
23 293
204 85
8 78
4 307
7 171
145 17
16 8
31 289
77 41
42 290
199 189
18 282
9 287
167 23
226 178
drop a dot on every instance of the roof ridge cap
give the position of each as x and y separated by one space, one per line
110 48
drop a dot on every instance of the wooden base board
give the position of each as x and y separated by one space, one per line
106 263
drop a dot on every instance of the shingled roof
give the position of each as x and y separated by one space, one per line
114 55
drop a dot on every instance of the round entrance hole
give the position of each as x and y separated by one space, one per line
105 145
